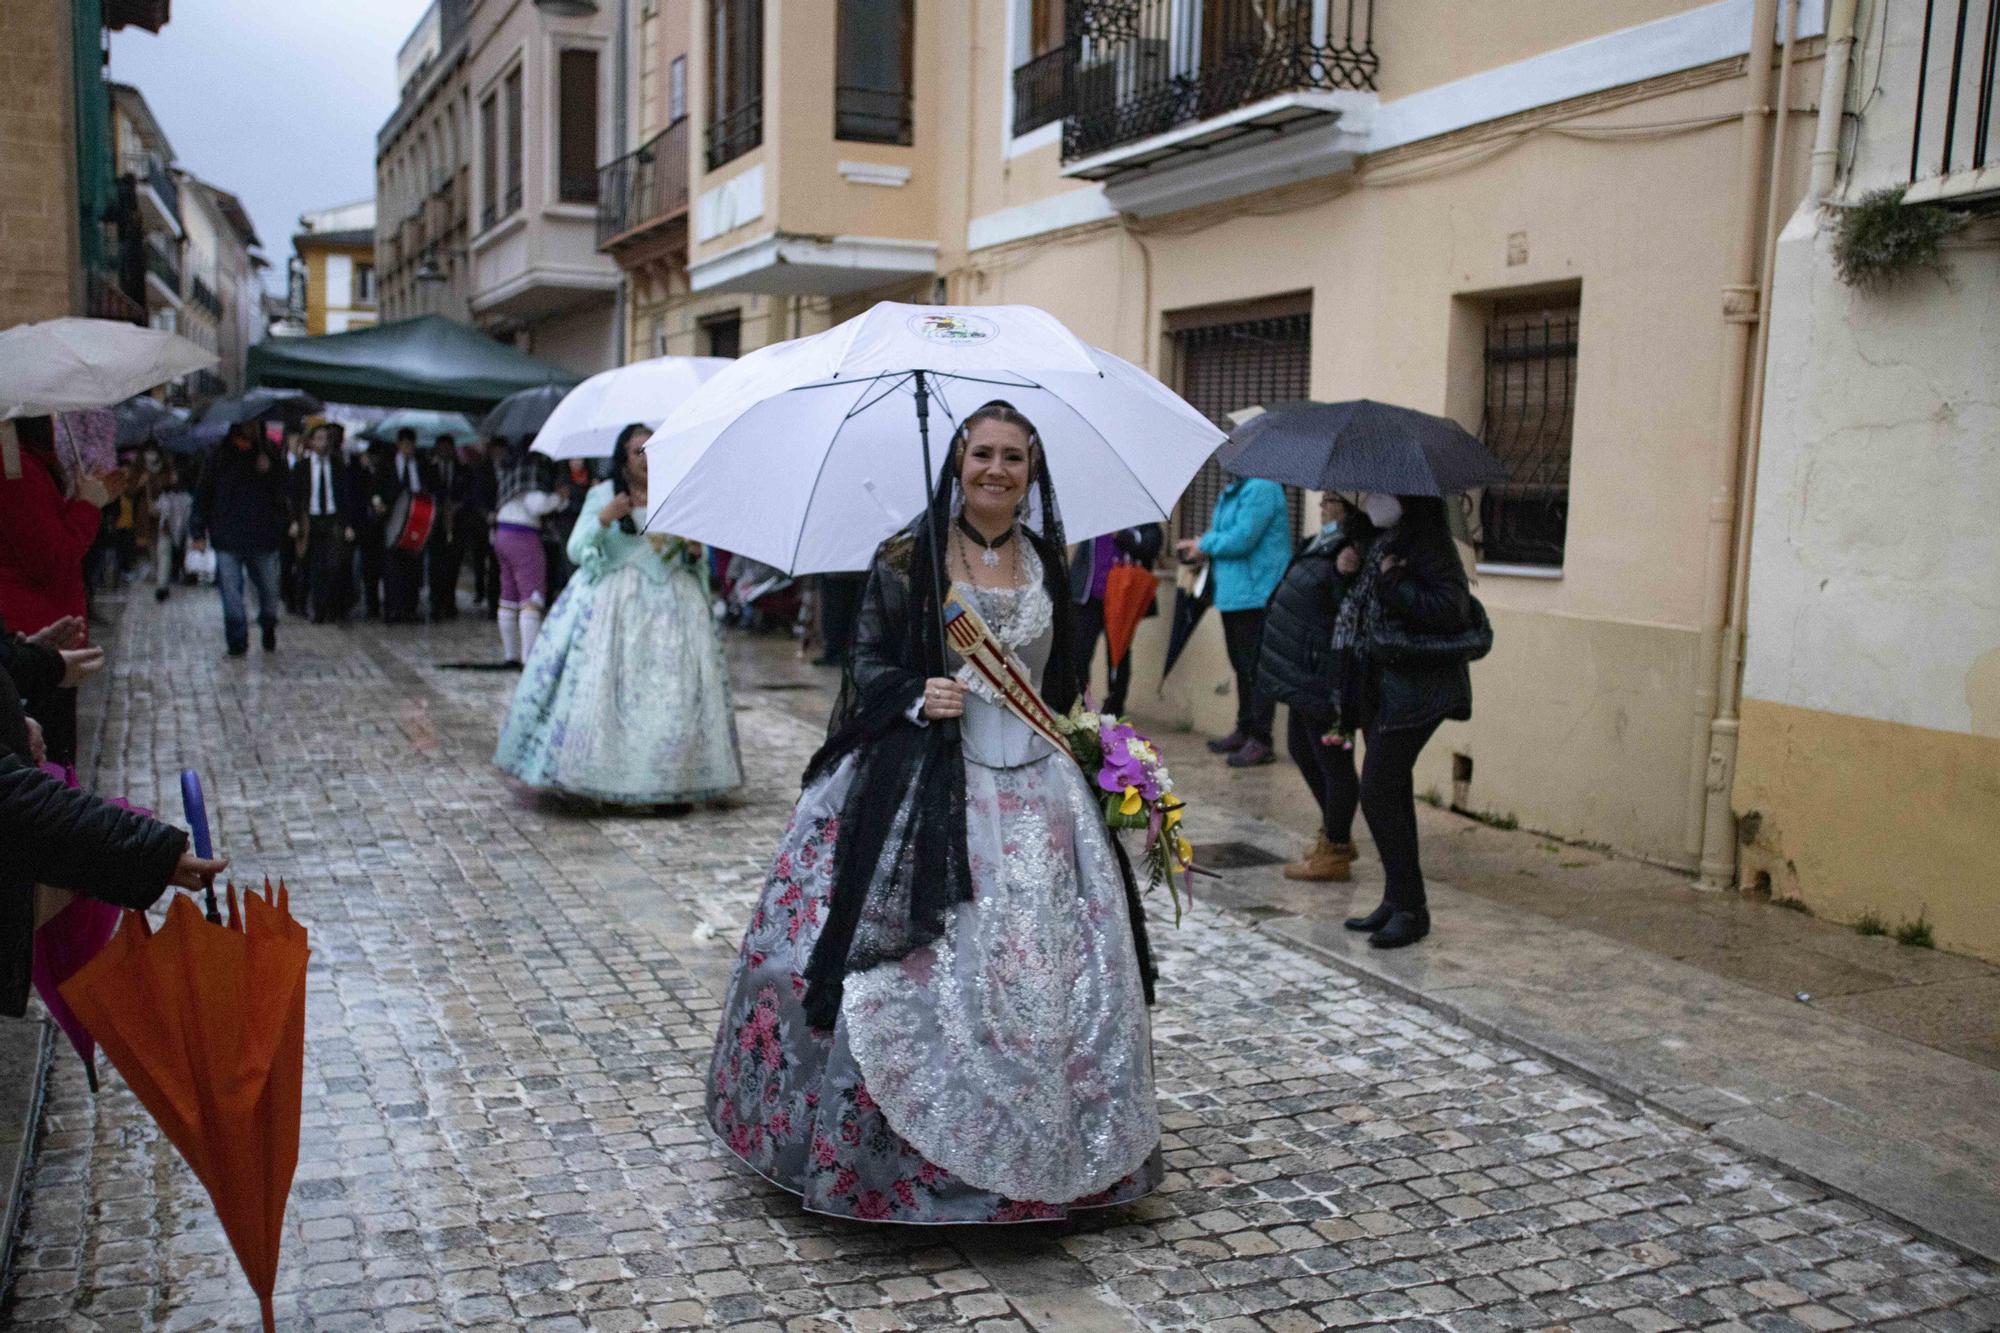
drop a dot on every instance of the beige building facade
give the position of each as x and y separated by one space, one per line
488 176
1540 219
1868 778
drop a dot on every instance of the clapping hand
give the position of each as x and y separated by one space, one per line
79 664
60 634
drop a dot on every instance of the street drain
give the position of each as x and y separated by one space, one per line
776 685
1233 856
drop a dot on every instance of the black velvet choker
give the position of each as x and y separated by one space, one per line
974 534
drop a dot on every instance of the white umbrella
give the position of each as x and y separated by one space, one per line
587 422
68 365
807 454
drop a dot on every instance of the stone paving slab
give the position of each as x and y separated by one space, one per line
510 1007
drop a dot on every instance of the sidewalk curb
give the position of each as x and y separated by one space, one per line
1714 1126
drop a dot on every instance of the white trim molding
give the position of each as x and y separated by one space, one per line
874 173
783 264
723 208
1058 212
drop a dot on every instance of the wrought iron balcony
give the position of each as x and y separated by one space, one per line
735 133
163 261
1038 90
151 169
1137 68
646 186
109 301
1951 133
204 296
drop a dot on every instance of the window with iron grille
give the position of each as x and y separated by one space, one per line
511 91
1958 60
874 62
1227 367
1528 421
735 79
489 161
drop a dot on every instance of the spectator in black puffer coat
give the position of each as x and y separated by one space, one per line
1296 668
57 835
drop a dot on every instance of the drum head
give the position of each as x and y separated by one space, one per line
399 518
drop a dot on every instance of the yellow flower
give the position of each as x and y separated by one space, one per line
1132 803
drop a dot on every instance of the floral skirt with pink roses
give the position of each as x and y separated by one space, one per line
1001 1074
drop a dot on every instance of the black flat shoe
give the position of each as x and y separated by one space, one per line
1404 928
1374 921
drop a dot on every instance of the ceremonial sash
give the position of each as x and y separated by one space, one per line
972 639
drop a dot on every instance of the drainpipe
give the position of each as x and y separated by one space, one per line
1832 99
1739 313
1718 853
621 131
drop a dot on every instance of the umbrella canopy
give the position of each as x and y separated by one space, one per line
427 424
290 405
428 361
519 415
1361 445
194 439
586 424
823 432
206 1022
1128 592
66 365
140 419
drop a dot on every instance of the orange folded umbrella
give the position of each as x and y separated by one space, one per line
207 1023
1128 591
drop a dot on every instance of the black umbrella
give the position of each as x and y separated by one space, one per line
520 415
192 440
143 418
1191 601
290 405
1361 445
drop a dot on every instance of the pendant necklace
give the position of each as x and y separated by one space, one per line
990 554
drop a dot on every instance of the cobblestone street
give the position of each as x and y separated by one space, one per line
510 1011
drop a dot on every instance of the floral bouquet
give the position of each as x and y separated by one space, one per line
1138 792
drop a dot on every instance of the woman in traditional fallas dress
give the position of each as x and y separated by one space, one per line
625 698
939 1012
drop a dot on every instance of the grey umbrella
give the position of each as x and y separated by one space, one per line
520 415
291 405
142 418
1361 445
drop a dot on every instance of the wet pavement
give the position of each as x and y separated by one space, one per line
509 1015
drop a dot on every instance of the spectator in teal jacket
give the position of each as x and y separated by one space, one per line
1250 542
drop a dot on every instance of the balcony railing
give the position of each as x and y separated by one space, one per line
164 263
109 301
204 296
151 169
1038 90
735 133
1951 132
1142 67
645 185
872 115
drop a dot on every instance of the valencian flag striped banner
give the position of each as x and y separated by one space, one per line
973 640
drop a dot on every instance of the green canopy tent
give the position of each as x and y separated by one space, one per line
428 361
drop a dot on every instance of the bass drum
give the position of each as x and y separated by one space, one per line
410 523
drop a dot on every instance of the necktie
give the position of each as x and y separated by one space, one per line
325 505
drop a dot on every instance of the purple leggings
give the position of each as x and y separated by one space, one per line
524 570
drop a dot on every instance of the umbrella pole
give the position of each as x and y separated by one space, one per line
930 508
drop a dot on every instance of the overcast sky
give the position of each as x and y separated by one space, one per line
276 101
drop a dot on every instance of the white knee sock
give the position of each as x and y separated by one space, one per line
531 625
510 633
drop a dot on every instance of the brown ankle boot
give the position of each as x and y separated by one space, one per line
1326 863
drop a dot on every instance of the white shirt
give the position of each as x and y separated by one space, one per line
409 474
527 508
321 499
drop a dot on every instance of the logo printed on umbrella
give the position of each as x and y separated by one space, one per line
954 328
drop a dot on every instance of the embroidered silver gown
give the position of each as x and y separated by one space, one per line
1003 1073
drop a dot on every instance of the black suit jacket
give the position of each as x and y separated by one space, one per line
349 501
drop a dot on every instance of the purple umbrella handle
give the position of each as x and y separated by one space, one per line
196 810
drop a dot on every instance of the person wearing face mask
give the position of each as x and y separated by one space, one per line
1399 676
1296 668
1250 543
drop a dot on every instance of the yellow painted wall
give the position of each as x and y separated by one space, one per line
1853 816
361 315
